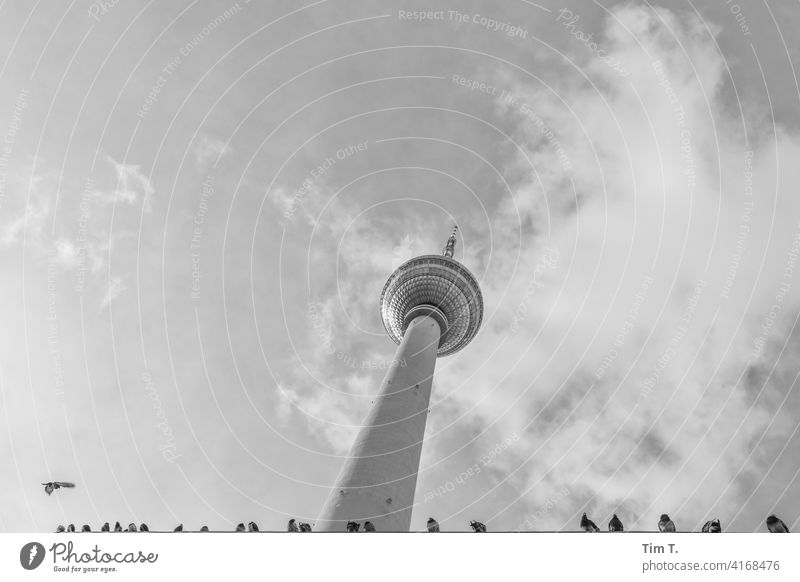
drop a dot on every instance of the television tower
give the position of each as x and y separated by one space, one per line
431 306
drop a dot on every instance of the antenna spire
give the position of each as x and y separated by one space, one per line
451 243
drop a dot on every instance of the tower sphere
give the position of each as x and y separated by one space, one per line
438 286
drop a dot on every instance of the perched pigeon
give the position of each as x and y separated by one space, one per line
105 527
588 525
665 524
615 524
305 528
179 528
53 485
368 526
144 527
60 529
712 526
86 528
71 528
292 526
433 525
353 526
240 528
117 527
252 526
131 527
776 525
477 526
204 528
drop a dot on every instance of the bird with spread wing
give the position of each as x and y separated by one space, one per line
51 486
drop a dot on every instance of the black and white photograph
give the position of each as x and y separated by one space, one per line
522 268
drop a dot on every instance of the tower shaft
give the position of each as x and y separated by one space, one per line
379 478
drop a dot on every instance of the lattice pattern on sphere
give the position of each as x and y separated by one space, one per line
439 281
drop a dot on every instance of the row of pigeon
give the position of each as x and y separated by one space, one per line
665 524
432 526
132 527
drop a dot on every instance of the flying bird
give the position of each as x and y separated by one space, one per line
240 528
105 527
86 528
179 528
477 526
144 527
60 529
292 526
71 528
131 527
204 528
53 485
433 525
712 526
252 526
615 524
117 527
353 526
368 526
588 525
304 527
776 525
665 524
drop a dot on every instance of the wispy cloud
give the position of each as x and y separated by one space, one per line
644 167
132 185
209 150
115 288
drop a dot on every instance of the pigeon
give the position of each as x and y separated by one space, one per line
144 527
353 526
252 526
179 528
665 524
712 526
776 525
292 526
477 526
615 524
117 527
105 527
433 525
131 527
53 485
588 525
368 526
204 528
240 528
305 528
86 528
60 529
71 528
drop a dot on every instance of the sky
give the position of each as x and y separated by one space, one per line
200 203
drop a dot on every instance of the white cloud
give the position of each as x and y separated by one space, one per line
114 290
132 185
641 192
209 150
29 222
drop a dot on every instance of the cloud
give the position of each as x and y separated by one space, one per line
114 290
28 203
29 222
209 150
640 198
131 186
